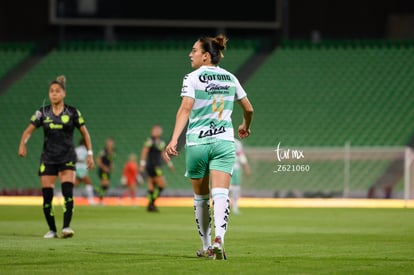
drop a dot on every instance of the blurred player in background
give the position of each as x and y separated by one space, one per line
207 99
58 157
82 171
105 162
240 166
152 162
130 175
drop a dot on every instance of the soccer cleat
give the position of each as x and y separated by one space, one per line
218 249
152 208
67 232
208 253
91 202
50 235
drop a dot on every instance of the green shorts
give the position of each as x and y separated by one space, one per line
81 172
200 159
236 177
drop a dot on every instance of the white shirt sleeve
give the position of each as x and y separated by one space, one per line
188 88
240 92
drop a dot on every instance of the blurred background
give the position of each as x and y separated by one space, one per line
332 80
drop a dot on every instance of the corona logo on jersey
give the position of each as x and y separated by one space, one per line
205 78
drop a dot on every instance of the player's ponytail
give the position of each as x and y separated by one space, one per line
215 46
61 80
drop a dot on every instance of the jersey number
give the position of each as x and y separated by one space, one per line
218 107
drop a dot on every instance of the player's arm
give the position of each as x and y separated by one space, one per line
181 120
88 143
169 162
24 139
244 128
100 163
245 165
144 155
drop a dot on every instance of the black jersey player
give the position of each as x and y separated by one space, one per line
58 157
152 160
105 163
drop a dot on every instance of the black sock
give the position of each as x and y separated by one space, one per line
102 191
67 192
150 197
48 208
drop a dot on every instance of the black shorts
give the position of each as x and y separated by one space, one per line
54 169
154 171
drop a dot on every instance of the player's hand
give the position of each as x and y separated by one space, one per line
22 150
171 150
243 132
171 166
90 162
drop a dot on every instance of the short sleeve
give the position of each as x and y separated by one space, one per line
240 92
78 118
188 87
148 142
37 119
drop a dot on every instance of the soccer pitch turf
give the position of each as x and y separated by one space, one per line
129 240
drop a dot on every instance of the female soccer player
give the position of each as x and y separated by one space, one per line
105 162
208 95
130 175
152 162
58 157
240 166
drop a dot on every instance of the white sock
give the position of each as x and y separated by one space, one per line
221 205
203 218
89 192
235 196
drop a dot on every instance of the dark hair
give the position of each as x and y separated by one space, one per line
214 46
60 80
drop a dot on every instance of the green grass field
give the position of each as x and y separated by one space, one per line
126 240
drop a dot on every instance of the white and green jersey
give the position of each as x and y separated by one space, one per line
214 90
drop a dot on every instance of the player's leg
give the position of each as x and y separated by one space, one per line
132 193
89 189
150 193
197 171
221 168
104 177
235 191
48 183
202 214
159 185
221 209
67 178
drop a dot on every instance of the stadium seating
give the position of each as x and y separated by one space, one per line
12 54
